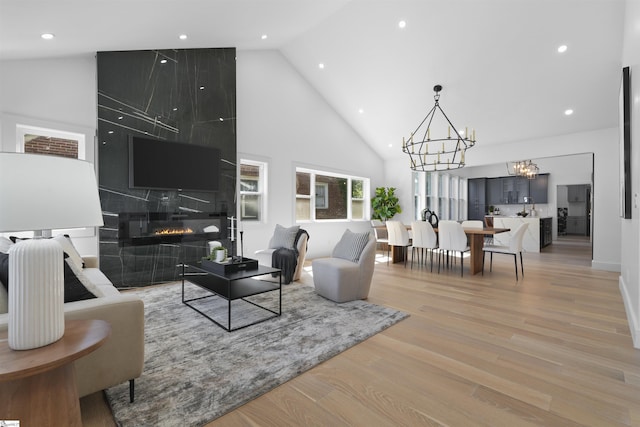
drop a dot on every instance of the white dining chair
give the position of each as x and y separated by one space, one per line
513 248
451 237
380 232
424 238
398 235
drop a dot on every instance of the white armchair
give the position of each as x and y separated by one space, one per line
265 256
346 276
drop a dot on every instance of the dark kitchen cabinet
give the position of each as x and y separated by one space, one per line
514 189
495 191
476 202
577 193
538 188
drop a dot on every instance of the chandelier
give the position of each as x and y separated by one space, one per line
428 154
524 168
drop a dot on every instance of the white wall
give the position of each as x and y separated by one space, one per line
283 120
55 94
630 229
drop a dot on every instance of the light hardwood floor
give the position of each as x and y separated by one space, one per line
552 349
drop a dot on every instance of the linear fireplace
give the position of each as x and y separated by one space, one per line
152 228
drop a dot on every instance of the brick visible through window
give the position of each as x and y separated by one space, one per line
37 144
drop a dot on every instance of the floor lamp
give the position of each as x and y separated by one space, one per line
42 192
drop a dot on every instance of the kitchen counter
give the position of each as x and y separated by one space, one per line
531 241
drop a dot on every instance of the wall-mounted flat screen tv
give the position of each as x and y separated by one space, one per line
165 165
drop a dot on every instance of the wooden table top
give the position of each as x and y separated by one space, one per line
80 338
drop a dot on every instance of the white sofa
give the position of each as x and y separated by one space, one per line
121 358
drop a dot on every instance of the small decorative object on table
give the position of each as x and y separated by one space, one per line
218 254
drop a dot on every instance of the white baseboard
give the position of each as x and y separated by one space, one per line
632 317
606 266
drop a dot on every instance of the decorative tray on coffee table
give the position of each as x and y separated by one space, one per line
229 266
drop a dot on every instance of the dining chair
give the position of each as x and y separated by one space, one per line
398 235
380 232
423 238
451 237
513 248
488 222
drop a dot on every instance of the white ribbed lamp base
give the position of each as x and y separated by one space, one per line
36 294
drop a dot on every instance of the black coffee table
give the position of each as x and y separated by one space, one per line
232 286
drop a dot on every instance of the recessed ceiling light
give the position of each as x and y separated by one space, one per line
47 36
264 37
568 112
175 108
110 132
562 48
390 145
221 119
402 24
163 61
321 66
183 36
120 117
201 87
361 111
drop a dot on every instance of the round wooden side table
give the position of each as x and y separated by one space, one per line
38 387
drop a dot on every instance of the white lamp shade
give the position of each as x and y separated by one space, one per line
41 192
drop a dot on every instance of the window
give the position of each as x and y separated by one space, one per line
53 142
335 197
441 193
252 190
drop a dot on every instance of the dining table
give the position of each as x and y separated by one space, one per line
476 242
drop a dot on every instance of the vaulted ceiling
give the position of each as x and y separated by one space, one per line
497 60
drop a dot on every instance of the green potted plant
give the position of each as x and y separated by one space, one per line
385 204
218 254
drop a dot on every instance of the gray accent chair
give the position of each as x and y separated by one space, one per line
341 280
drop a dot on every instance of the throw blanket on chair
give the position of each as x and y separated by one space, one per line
287 259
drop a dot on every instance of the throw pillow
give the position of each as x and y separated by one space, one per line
74 290
68 248
86 282
5 244
4 270
284 237
351 245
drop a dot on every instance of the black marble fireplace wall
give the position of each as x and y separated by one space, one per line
173 95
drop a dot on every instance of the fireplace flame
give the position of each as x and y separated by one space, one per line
170 231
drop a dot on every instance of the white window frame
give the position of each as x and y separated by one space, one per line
442 201
263 167
349 178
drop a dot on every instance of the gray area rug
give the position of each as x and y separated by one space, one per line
195 371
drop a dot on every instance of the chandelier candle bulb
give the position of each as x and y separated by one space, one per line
448 131
428 134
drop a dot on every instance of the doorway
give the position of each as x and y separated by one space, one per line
574 217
